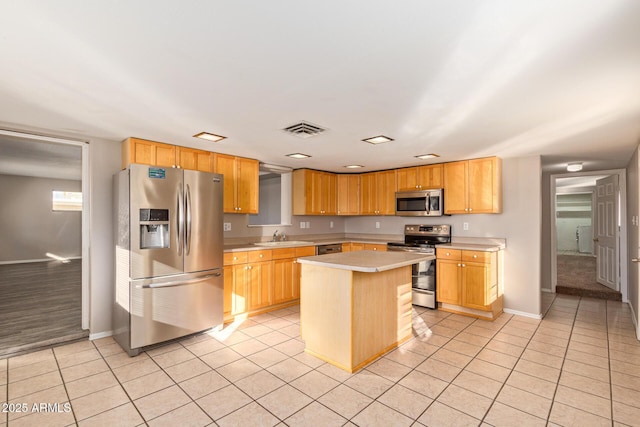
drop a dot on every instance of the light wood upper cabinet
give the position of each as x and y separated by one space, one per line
142 151
378 193
348 190
240 183
473 186
135 150
314 192
190 158
419 178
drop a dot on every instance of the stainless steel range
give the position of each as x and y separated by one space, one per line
423 239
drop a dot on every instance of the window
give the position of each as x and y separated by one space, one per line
274 199
67 200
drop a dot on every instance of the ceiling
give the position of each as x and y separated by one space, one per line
461 78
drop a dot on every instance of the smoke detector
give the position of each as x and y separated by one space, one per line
304 130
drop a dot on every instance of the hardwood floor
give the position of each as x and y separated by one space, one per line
577 276
40 305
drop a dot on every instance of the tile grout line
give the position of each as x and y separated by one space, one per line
64 384
564 358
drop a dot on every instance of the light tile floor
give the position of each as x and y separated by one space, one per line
579 366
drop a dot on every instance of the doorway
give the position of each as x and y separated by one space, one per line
43 219
581 264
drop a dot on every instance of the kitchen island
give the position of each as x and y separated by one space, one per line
356 306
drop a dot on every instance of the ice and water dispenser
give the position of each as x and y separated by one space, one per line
154 228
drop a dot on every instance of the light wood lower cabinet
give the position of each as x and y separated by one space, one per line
468 282
259 281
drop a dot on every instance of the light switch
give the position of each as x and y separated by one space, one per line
302 224
377 224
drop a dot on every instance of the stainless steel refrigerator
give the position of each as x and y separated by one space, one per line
169 253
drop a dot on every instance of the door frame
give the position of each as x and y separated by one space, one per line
622 232
86 217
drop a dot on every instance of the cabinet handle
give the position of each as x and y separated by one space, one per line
475 256
235 258
470 209
248 267
375 249
459 265
448 254
261 255
463 265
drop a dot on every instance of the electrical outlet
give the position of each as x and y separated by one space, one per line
302 224
308 224
465 225
377 224
330 224
227 226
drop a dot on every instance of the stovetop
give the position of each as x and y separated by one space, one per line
422 238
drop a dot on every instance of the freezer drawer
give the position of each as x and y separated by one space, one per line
174 306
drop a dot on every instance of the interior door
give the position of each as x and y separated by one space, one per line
606 235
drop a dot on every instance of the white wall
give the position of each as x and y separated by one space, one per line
104 161
28 225
520 224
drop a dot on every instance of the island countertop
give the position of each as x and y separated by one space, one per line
366 261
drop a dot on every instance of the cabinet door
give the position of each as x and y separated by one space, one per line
260 281
474 284
237 279
189 158
227 303
145 152
226 165
448 279
283 280
430 176
329 189
455 187
484 186
247 185
386 193
348 194
357 246
368 191
407 179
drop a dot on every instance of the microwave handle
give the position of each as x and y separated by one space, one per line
427 201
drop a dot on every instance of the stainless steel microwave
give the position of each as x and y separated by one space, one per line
420 203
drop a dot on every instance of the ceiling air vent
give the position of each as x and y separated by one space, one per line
304 130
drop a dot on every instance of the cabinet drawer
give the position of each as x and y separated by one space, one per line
264 255
283 253
305 251
476 256
233 258
444 253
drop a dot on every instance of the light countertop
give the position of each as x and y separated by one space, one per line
251 247
490 247
366 261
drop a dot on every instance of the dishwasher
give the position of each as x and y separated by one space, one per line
332 248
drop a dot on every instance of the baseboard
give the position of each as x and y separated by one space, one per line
99 335
547 290
523 313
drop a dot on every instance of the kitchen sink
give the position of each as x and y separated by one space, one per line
285 243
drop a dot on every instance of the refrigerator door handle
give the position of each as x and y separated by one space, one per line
180 222
188 221
178 282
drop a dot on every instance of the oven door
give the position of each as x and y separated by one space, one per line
424 275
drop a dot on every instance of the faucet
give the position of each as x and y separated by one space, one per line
278 237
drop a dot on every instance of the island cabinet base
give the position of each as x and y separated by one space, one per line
350 318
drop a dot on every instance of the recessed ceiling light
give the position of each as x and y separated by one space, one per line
380 139
209 136
574 167
353 166
298 156
426 156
